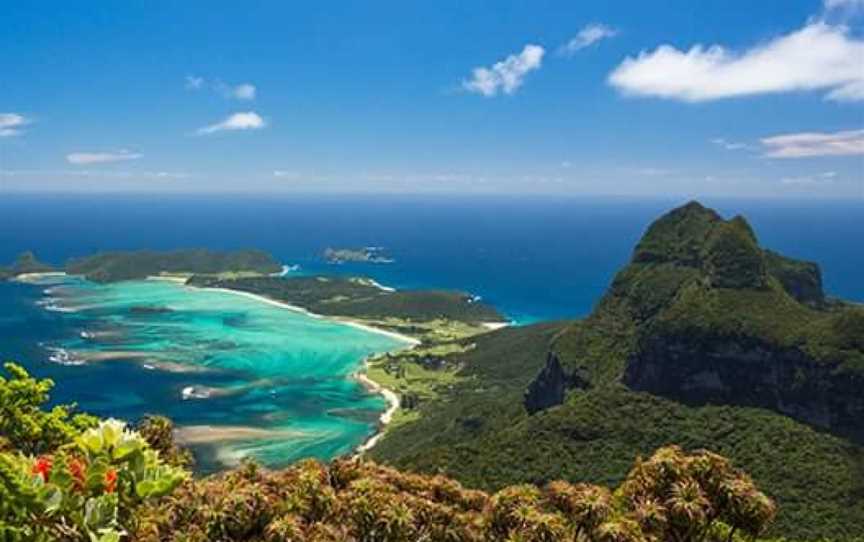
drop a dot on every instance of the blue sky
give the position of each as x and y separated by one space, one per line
715 97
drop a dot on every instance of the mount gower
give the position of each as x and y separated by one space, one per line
704 339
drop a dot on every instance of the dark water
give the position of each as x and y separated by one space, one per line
533 257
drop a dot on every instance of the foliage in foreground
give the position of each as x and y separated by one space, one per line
70 480
103 482
671 496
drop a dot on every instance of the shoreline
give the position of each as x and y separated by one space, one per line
360 375
393 404
28 277
336 319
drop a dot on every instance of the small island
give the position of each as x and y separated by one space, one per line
356 255
24 264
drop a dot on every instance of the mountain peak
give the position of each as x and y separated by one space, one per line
678 235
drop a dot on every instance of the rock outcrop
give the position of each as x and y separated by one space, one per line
550 386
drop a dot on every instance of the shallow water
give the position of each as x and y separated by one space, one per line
246 378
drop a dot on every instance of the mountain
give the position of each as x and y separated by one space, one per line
704 339
26 262
703 315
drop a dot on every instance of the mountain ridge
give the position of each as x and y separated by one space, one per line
580 399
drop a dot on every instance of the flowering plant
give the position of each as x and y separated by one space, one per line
85 490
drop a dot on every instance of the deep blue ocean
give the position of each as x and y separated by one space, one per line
534 258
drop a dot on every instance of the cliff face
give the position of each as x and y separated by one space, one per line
702 314
747 371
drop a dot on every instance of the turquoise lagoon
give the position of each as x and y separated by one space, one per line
241 377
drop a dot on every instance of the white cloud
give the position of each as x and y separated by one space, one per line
194 83
11 124
811 144
507 75
238 121
85 158
818 56
586 37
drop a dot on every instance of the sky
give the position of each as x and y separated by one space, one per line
638 98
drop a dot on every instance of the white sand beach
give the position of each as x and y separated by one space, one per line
345 321
386 417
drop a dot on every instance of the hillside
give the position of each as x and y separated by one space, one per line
117 266
360 298
75 478
704 339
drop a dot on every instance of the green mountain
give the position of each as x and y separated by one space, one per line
705 340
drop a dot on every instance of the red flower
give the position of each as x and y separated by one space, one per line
78 471
110 481
42 467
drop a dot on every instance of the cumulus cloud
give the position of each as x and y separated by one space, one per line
11 124
86 158
507 75
818 56
812 144
238 121
586 37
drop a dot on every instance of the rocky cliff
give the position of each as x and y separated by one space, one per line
702 314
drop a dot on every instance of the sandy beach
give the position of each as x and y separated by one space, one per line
386 416
32 277
345 321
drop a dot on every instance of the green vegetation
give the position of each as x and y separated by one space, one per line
357 298
117 266
98 481
714 327
671 496
68 478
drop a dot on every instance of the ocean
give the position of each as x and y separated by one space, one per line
535 258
